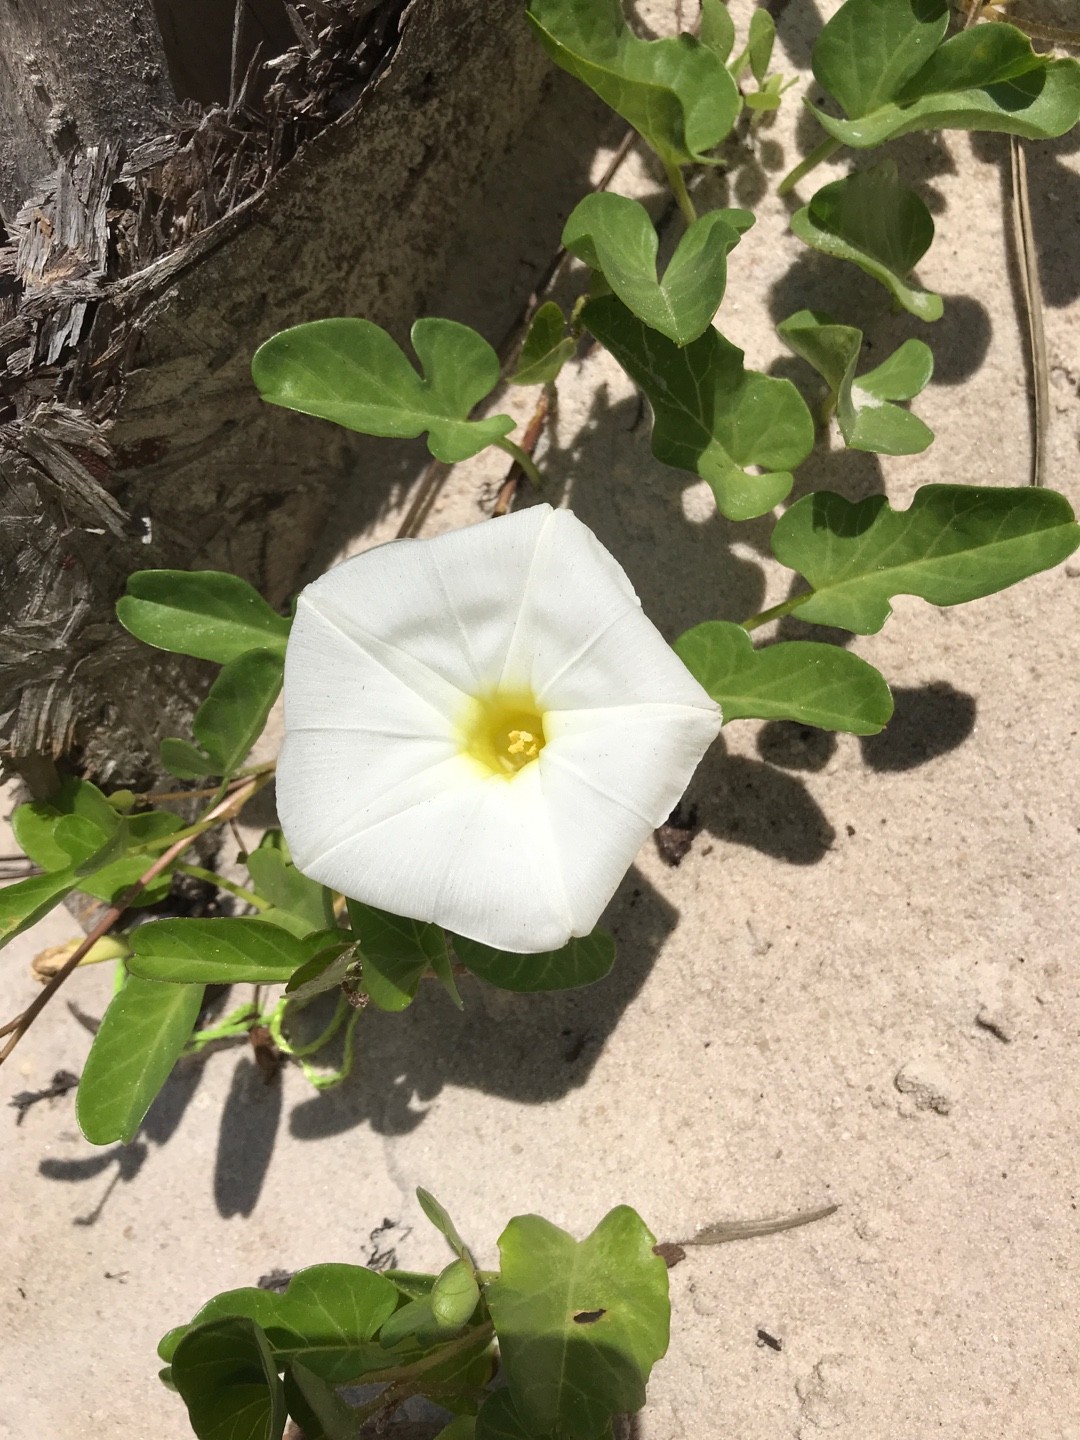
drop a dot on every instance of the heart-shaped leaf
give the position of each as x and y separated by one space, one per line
711 416
221 952
954 543
140 1038
580 1324
864 410
875 222
545 349
206 613
885 63
227 1378
353 373
230 719
675 92
615 236
396 953
580 962
800 680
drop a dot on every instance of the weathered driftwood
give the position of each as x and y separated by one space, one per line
135 284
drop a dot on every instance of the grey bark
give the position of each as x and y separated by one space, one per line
135 289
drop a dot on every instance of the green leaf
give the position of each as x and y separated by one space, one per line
140 1038
675 92
954 543
615 236
878 224
353 373
326 1318
463 1427
580 1325
27 901
411 1283
206 613
867 418
297 904
711 416
112 880
760 47
797 680
582 961
230 719
768 97
454 1297
226 1376
498 1420
717 29
219 952
440 1218
325 971
315 1406
884 62
546 347
396 953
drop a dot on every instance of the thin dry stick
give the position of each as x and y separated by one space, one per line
1024 235
722 1231
18 1027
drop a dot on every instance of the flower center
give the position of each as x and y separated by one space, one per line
503 732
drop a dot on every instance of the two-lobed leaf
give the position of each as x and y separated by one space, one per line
580 1324
615 236
229 720
953 544
711 416
140 1038
352 372
800 680
227 1378
582 961
865 412
396 954
874 221
675 92
205 613
885 63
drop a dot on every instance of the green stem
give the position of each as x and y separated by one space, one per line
828 147
522 458
239 1022
682 195
776 612
248 896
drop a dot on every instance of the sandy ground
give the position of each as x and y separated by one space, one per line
859 987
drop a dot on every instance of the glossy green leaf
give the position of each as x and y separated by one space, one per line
954 543
411 1283
440 1218
206 613
884 62
580 962
315 1406
454 1297
140 1038
219 952
711 416
717 29
875 222
867 417
26 901
412 1321
615 236
226 1376
297 904
327 970
326 1319
580 1324
545 349
799 680
675 92
396 953
499 1420
761 42
230 719
352 372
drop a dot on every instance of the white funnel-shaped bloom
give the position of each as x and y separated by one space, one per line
483 728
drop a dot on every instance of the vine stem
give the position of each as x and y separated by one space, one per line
211 877
828 146
776 611
678 186
520 457
401 1378
231 805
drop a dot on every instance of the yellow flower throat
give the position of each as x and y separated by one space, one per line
503 732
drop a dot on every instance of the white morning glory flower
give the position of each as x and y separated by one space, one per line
483 728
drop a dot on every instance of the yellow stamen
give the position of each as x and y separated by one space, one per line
503 732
